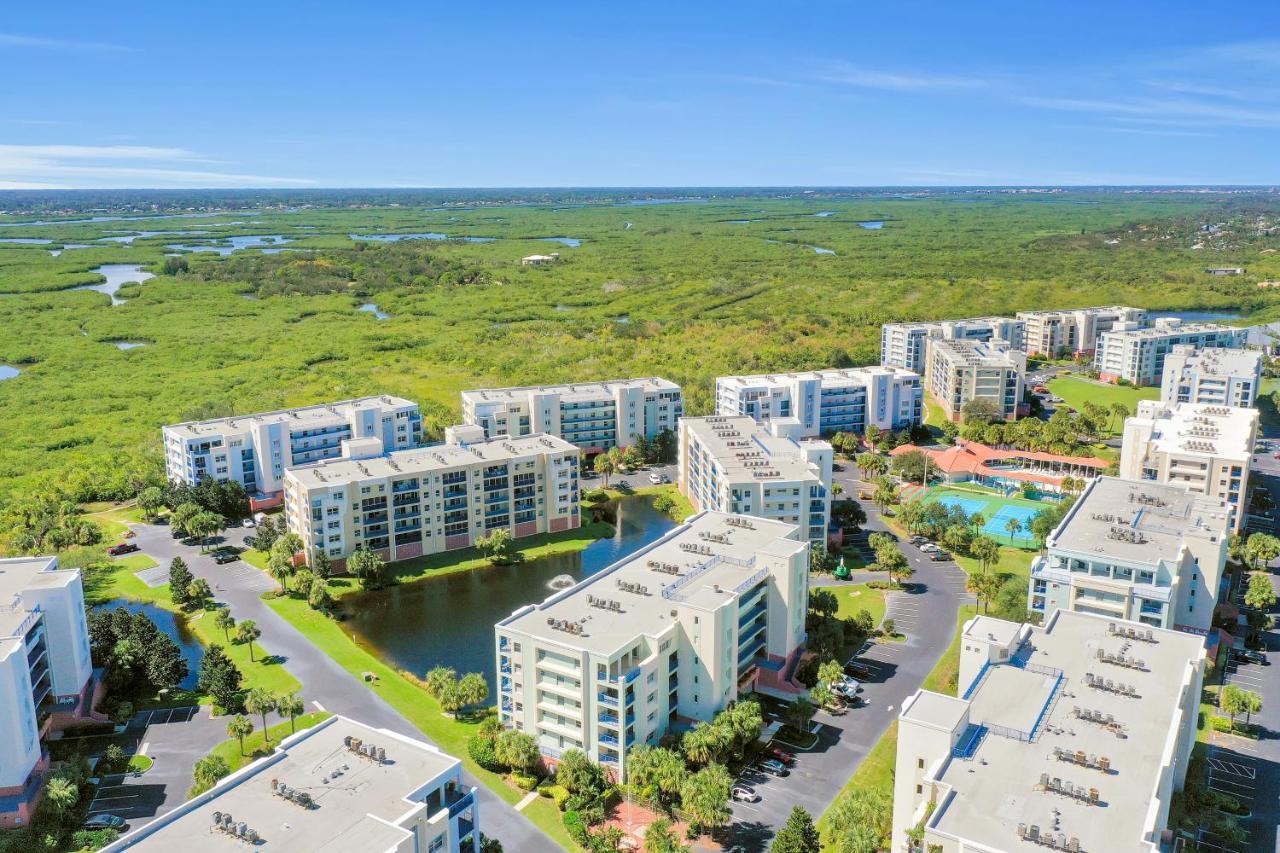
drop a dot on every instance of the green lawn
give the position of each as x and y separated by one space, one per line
254 747
876 770
934 416
114 519
415 704
117 579
859 597
1076 391
1013 561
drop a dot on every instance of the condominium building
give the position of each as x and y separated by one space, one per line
673 632
1074 331
959 371
46 675
733 464
1218 377
903 344
254 450
594 416
1071 737
430 499
1137 550
827 401
1206 448
339 785
1137 354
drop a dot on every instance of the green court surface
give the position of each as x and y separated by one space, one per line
995 508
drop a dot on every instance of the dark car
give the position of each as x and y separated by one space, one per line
107 821
1249 656
177 533
221 557
774 767
919 540
122 548
857 670
939 556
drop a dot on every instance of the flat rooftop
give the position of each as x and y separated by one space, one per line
746 450
571 391
1200 428
835 376
959 321
976 353
353 809
17 575
1217 361
1062 312
1138 521
1171 330
997 789
733 549
318 415
419 460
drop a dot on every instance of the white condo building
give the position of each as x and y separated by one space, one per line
1074 330
432 499
827 401
338 786
1206 448
1217 377
46 674
733 464
673 632
595 416
959 371
903 344
1142 551
255 450
1072 737
1137 354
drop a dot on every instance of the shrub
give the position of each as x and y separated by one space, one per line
1220 724
559 795
524 781
482 752
807 672
576 827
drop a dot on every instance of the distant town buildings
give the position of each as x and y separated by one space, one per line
1071 737
903 344
254 450
1218 377
430 499
957 371
827 401
670 634
340 785
594 416
46 674
1142 551
1136 354
1206 448
735 465
1074 331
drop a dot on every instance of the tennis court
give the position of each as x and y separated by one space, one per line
995 508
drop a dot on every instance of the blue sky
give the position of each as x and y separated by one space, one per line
638 94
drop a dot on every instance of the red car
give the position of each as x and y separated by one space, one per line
782 755
122 548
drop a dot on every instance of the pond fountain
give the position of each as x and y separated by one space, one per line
561 582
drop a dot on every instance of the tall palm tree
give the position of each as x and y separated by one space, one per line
240 727
247 633
291 706
61 794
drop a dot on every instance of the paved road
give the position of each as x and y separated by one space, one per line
324 683
636 479
927 616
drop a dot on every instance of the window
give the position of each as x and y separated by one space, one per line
919 789
920 765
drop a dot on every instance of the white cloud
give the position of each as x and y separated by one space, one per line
1170 108
116 166
845 74
42 43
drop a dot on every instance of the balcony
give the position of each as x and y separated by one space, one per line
609 739
608 719
758 610
607 700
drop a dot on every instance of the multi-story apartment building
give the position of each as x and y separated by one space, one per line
594 416
430 499
959 371
903 344
733 464
827 401
1217 377
673 632
1137 354
1137 550
1206 448
46 675
1071 737
254 450
1074 331
340 785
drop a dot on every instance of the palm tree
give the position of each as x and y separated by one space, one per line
240 727
1013 526
261 702
61 794
224 620
291 706
247 633
976 521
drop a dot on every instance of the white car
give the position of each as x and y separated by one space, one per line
248 522
655 478
929 548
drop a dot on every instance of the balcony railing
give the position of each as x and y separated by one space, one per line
606 699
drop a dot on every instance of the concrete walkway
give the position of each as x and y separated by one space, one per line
323 681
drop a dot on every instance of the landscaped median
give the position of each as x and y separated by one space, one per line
415 704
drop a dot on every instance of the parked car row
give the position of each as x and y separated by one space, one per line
932 551
776 762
